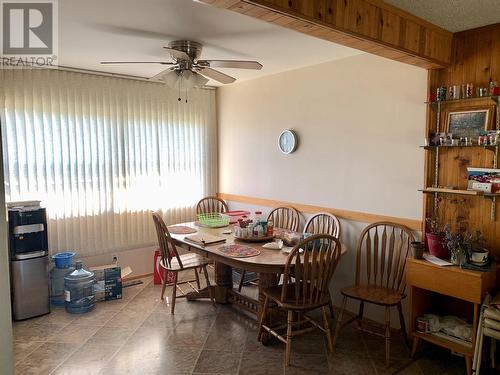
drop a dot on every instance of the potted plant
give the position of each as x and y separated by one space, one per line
435 238
478 242
479 255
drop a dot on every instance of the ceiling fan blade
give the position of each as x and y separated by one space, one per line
238 64
178 55
136 62
216 75
164 72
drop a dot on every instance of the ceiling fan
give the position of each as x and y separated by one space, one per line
188 66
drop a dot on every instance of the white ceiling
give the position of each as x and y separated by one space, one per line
91 31
453 15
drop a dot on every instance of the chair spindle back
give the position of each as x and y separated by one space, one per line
311 268
209 205
381 255
167 246
323 222
285 218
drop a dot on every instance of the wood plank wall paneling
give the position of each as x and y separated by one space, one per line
475 59
363 217
368 25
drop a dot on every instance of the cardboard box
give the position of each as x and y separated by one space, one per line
108 284
486 180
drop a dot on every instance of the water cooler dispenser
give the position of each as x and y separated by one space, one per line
29 260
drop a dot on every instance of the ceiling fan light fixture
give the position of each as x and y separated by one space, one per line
184 79
200 80
171 79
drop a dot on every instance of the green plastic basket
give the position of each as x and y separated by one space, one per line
213 219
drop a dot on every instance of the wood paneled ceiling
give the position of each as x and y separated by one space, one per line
368 25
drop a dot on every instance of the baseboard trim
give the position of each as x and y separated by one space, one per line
363 217
138 277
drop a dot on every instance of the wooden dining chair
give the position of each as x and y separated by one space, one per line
312 262
284 218
381 255
323 222
171 261
211 204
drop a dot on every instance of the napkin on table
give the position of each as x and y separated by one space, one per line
277 245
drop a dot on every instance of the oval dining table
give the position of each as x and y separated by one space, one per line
269 264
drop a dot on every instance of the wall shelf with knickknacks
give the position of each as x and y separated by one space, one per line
446 199
495 98
436 189
437 104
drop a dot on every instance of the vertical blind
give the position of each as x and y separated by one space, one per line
101 152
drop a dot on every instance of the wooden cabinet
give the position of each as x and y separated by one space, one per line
446 290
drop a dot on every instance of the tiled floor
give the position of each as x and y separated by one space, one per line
137 335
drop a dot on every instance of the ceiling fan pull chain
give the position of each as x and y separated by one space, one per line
179 99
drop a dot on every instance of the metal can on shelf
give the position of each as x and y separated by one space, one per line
441 93
469 90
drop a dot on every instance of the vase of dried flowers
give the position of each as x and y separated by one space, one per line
459 244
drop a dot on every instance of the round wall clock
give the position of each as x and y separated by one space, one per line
287 141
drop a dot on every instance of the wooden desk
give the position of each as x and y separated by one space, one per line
268 264
468 288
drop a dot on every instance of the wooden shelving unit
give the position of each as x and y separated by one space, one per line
465 100
447 344
451 290
435 189
486 147
432 190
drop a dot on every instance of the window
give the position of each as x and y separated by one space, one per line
101 152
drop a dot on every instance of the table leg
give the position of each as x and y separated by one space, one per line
223 282
266 280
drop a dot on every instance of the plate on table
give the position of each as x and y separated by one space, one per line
181 229
255 239
239 251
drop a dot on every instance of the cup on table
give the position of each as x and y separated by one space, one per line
480 256
417 249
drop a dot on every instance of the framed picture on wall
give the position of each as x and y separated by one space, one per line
470 121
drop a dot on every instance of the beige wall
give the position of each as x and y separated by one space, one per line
360 121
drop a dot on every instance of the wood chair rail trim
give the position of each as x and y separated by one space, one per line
363 217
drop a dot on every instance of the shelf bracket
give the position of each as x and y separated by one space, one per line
493 209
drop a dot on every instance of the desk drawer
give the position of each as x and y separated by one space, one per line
448 281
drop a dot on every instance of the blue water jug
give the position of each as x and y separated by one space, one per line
79 293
